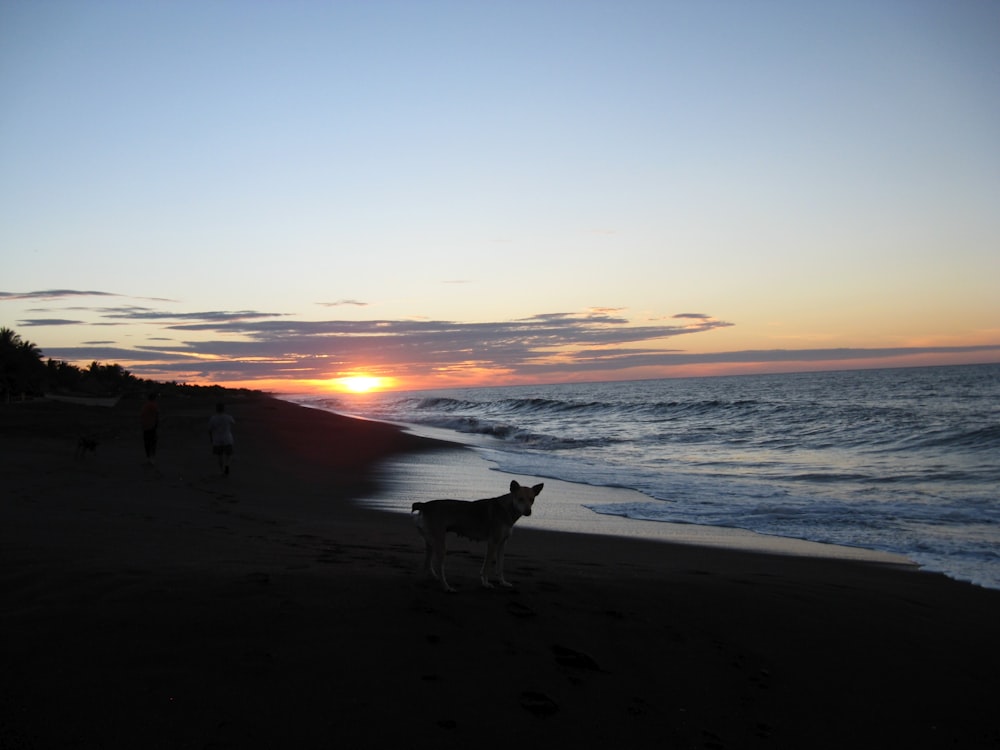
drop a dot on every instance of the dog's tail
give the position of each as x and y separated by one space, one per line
417 516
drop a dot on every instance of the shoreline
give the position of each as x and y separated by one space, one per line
468 475
169 606
464 474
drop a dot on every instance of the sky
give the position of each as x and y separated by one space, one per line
438 194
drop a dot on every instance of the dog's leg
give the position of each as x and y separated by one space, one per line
428 550
500 549
440 547
428 567
434 559
484 573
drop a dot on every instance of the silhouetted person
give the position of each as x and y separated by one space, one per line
149 419
220 432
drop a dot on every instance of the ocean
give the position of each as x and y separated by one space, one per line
905 461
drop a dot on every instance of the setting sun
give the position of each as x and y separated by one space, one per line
359 383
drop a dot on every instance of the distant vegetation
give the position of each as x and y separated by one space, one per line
25 374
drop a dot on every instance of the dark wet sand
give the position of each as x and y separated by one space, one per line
171 607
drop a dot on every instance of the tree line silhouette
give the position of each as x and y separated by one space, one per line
24 373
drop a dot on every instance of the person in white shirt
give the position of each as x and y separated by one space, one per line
220 432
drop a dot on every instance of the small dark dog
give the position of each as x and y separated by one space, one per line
490 520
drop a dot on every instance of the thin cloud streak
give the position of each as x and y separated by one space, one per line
53 294
343 303
147 314
57 294
32 322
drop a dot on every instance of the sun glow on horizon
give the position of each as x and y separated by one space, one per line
359 383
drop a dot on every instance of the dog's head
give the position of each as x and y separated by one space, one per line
524 497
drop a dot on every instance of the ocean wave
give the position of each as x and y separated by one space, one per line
514 435
980 439
535 406
440 403
825 477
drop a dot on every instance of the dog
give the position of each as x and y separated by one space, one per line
491 520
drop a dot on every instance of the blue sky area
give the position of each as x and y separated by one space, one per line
445 193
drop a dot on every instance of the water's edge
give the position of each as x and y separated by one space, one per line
464 473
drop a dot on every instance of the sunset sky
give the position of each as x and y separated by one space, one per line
462 193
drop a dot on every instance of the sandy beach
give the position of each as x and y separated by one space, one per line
169 606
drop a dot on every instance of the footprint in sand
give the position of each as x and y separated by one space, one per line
567 657
538 704
519 610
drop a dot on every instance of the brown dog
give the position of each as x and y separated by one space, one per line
491 519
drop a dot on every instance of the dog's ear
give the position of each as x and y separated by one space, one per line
537 488
514 486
